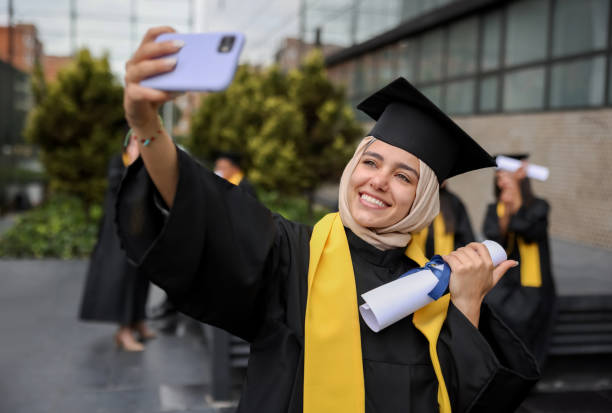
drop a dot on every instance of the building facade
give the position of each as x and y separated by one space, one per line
519 75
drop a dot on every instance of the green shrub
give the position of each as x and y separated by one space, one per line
294 208
61 228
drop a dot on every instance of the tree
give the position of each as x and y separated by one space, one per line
295 131
78 123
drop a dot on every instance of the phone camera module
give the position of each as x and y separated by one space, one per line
226 44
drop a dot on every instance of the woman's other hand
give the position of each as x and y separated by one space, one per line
472 277
141 104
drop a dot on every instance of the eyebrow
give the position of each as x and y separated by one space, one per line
401 165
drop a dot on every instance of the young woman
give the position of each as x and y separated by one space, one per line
293 291
116 291
525 298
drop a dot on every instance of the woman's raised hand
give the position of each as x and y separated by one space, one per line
141 103
472 277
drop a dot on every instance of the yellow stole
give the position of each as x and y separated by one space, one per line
236 178
444 242
333 370
531 273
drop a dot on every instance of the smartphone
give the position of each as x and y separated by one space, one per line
207 62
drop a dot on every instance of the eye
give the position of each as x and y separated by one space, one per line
369 162
403 178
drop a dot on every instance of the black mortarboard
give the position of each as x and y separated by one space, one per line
405 118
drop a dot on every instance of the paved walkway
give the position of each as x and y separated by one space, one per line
51 362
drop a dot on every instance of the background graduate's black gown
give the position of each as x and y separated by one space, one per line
529 311
462 231
226 260
114 291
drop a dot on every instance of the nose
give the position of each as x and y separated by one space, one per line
380 181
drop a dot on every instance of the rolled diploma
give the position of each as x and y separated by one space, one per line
399 298
533 171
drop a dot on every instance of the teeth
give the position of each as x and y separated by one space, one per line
372 200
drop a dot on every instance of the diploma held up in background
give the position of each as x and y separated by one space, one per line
506 163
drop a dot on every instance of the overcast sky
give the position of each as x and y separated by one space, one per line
105 24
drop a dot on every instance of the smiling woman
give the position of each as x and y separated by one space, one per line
293 291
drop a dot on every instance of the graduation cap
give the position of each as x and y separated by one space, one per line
405 118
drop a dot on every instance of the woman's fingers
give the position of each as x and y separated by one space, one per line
153 50
153 32
501 269
142 70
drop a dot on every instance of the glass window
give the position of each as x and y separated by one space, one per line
527 31
462 47
430 63
490 41
434 93
610 82
578 83
386 63
358 78
406 59
580 26
488 94
524 89
460 97
370 73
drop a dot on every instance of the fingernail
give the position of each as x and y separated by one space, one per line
178 43
170 61
515 263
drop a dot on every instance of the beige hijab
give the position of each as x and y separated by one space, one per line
424 209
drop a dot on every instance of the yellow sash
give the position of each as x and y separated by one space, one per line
444 242
531 273
333 369
236 178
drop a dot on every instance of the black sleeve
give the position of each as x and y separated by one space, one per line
463 228
490 227
531 222
487 369
214 255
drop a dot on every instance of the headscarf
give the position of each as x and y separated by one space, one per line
425 206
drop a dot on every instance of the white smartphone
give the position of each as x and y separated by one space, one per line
207 62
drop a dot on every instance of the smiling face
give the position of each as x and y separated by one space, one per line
383 185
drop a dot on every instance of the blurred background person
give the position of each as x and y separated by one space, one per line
525 298
115 291
228 166
450 229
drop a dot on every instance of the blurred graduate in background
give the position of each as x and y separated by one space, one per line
525 297
451 229
115 291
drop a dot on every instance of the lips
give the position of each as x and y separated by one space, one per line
372 201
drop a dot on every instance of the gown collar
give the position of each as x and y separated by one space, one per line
388 258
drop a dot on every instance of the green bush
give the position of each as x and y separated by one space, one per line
61 228
294 208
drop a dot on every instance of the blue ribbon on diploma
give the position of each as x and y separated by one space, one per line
443 275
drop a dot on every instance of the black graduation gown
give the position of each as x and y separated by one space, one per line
463 233
114 291
529 311
248 187
226 260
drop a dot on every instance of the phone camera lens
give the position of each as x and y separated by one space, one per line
226 44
